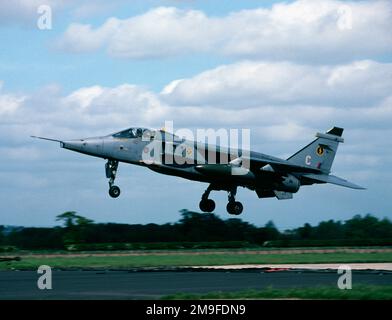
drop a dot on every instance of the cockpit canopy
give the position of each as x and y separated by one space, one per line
133 133
146 134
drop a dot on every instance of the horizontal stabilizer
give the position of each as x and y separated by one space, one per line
332 179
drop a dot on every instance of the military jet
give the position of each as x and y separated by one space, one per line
221 167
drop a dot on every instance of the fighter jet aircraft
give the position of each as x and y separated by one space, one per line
222 168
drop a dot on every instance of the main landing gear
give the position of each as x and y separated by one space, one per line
111 170
234 207
208 205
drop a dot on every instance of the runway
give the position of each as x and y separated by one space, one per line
306 266
155 284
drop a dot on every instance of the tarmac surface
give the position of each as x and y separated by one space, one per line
136 284
307 266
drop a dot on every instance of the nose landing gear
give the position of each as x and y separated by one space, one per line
111 170
114 191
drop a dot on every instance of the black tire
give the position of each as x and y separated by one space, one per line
234 208
207 205
114 191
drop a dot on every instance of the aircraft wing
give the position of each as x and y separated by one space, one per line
332 179
280 165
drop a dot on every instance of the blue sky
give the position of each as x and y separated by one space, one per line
55 67
283 69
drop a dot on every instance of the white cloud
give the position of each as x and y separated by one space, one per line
84 112
84 96
304 30
9 102
255 84
281 102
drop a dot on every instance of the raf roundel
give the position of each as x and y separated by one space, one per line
320 150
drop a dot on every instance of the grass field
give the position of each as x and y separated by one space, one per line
357 292
184 259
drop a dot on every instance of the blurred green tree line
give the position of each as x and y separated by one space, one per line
199 227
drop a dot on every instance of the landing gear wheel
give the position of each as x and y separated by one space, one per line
207 205
234 207
111 171
114 191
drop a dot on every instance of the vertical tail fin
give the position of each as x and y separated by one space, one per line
320 153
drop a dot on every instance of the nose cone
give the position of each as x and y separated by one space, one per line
90 146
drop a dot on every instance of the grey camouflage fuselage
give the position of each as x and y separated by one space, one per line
223 168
